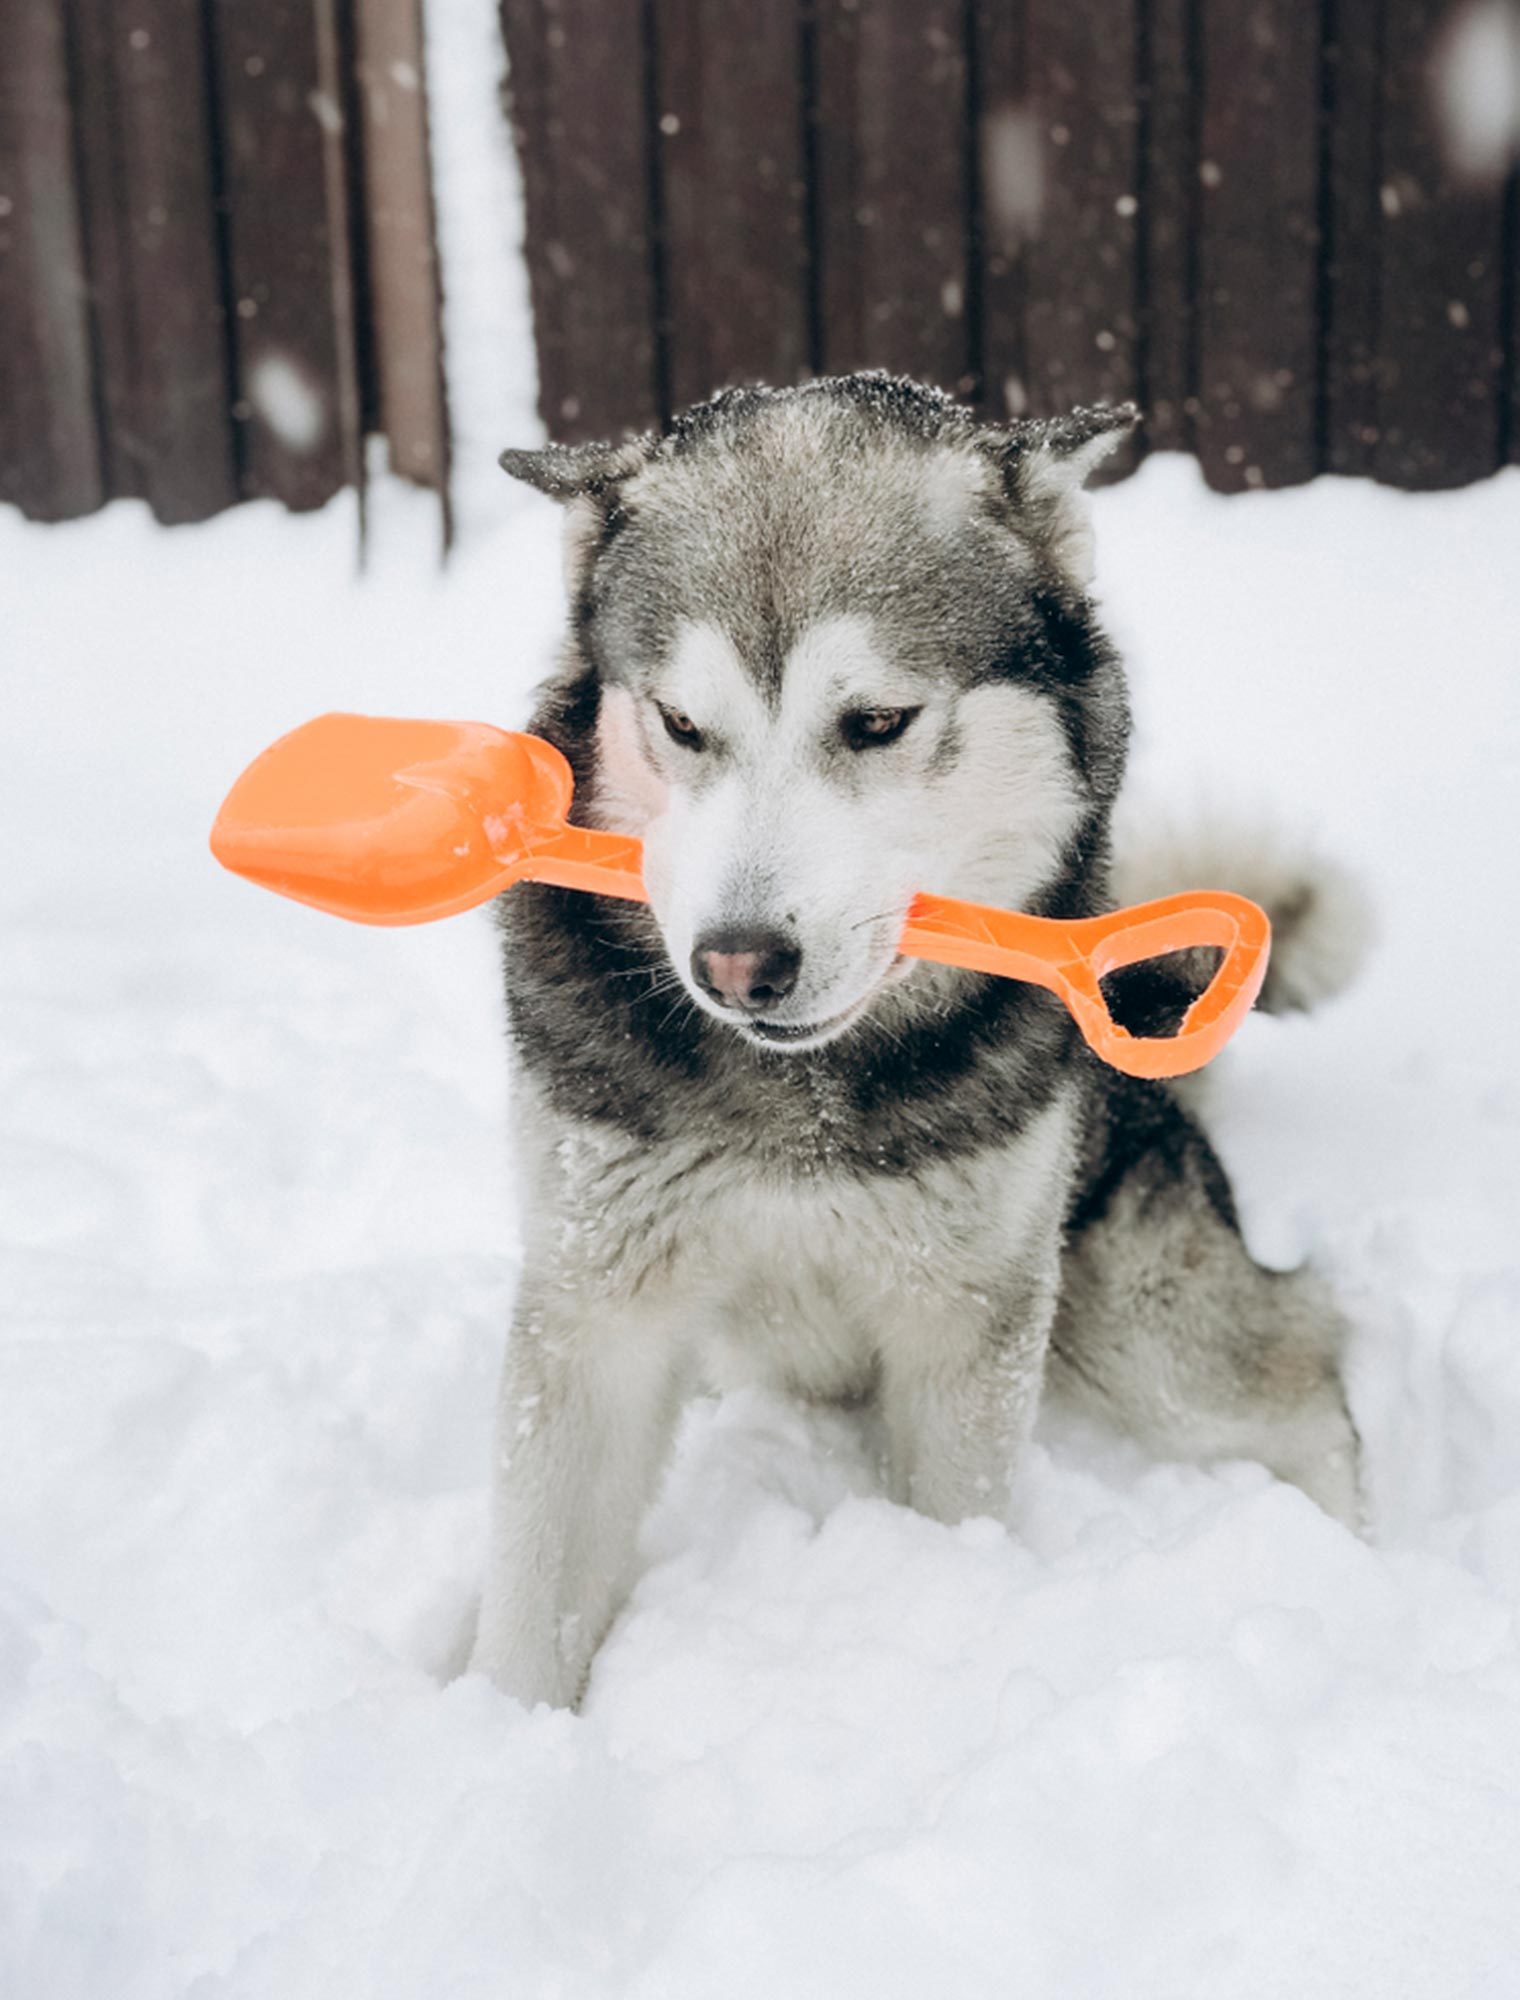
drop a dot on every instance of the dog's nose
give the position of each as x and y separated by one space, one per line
752 971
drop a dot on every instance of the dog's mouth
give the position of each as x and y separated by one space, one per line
790 1036
797 1036
804 1034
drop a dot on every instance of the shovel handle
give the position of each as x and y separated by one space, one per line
569 857
1070 959
390 821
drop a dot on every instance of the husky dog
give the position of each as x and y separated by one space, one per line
830 646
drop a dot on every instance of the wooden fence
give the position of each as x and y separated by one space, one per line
217 268
1241 213
218 275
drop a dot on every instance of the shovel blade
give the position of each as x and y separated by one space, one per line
389 821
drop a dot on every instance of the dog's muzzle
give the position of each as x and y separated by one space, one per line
748 973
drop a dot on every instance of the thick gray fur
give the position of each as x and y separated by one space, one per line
931 1197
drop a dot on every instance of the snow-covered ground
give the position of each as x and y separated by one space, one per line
1176 1733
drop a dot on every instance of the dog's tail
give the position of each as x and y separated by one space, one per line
1322 918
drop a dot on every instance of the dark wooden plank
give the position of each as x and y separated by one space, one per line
729 115
337 108
402 259
527 103
1007 200
1441 338
107 244
49 449
1168 205
1353 59
281 121
1082 318
578 97
1258 244
893 189
1512 289
182 396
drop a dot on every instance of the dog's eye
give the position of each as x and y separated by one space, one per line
869 728
680 728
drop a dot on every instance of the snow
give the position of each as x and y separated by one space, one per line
487 320
288 401
1177 1733
1476 73
1173 1734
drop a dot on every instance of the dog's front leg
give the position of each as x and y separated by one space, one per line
588 1402
960 1385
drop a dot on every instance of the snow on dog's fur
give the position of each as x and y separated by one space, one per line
830 646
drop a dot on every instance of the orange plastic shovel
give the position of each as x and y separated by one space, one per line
388 821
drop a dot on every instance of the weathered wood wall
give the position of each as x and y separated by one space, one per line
1238 212
217 271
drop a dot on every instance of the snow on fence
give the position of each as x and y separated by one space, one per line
1289 232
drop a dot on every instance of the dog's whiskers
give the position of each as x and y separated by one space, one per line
620 944
879 918
655 968
668 984
683 998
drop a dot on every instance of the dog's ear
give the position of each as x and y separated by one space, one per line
1045 464
585 477
573 471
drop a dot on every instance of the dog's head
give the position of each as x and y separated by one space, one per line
843 652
